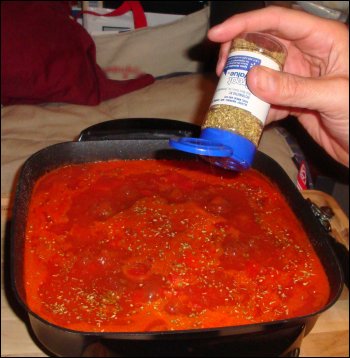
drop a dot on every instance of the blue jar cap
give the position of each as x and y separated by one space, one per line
222 148
201 146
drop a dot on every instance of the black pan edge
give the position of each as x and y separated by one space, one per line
74 152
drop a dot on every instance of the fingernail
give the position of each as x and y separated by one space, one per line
219 57
265 79
213 29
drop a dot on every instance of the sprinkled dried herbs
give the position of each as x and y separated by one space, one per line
228 252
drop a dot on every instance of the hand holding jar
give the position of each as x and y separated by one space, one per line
314 86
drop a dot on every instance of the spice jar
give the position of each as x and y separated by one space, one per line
235 120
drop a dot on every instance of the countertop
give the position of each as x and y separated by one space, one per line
328 338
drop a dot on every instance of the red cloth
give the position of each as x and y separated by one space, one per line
48 57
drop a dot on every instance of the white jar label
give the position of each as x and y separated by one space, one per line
232 87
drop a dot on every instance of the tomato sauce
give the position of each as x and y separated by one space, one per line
147 245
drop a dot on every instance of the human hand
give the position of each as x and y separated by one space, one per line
315 85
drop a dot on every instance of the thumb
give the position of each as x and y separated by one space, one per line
285 89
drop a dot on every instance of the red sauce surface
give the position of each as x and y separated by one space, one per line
149 245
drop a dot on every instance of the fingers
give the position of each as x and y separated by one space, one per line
285 89
328 96
224 50
272 19
275 20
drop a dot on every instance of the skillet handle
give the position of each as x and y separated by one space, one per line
335 222
138 129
